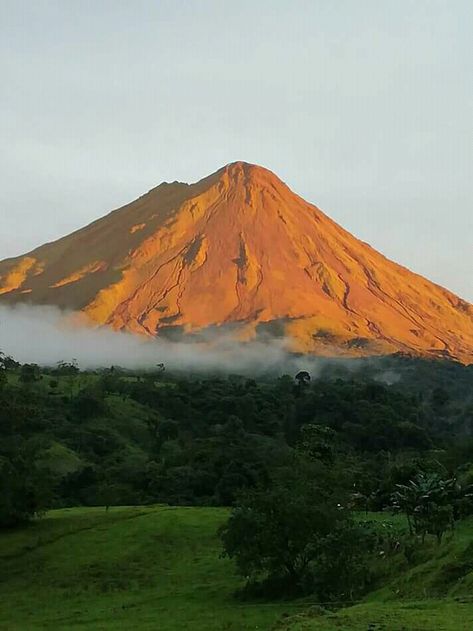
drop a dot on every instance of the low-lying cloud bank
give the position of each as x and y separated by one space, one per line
45 335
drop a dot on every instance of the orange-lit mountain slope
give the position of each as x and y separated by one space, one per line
240 248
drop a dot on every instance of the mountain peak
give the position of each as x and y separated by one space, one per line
247 170
240 249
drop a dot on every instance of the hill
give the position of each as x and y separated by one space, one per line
434 593
140 568
240 251
137 438
159 568
422 615
114 438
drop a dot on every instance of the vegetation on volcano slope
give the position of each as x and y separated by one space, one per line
140 568
111 437
160 567
423 615
432 592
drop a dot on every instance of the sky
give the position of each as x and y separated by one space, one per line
362 107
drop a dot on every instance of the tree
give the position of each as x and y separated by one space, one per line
291 534
318 442
29 373
302 378
427 501
7 362
25 489
69 370
439 399
89 403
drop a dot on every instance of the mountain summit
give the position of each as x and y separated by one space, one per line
240 249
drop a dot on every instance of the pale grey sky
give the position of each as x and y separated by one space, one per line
364 107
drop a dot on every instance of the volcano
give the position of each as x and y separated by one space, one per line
240 251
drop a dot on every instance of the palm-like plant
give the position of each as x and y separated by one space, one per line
427 501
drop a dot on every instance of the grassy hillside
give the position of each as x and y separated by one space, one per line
159 568
128 568
83 439
424 615
434 593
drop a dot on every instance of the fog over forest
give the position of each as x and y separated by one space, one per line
46 335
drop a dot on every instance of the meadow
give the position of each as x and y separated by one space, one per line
160 567
140 568
113 487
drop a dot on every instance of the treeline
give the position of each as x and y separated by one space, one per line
114 437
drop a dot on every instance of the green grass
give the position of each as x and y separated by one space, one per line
425 615
129 568
437 571
160 568
434 593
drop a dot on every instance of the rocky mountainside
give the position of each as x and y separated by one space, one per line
240 251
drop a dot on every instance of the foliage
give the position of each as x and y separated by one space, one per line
24 488
29 373
294 460
427 502
129 567
296 536
145 437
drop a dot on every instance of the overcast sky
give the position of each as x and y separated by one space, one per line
364 107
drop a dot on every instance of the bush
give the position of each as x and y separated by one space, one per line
296 537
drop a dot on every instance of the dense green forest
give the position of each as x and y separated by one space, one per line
298 457
114 437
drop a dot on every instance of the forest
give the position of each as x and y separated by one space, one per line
297 459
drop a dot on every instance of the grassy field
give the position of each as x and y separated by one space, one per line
128 568
424 615
435 593
159 568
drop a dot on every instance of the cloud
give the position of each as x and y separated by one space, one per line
46 335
